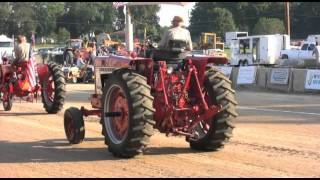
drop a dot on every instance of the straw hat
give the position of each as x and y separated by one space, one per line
177 18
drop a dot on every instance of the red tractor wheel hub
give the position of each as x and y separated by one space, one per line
119 103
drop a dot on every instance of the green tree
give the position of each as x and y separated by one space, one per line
63 35
269 26
22 19
145 17
46 16
85 17
205 19
5 11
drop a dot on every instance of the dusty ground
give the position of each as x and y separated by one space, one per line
277 135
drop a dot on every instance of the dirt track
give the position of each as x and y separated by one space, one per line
277 135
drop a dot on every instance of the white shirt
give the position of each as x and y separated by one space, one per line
176 33
80 63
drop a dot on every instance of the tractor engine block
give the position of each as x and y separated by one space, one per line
175 112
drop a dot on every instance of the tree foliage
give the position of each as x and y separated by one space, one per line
142 17
269 26
305 16
218 20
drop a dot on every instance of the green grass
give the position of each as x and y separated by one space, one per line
38 46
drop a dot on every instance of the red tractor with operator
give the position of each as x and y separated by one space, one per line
16 81
176 93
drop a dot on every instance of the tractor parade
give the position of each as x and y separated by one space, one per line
111 93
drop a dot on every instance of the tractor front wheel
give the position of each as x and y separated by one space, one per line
53 89
7 98
127 117
215 133
74 125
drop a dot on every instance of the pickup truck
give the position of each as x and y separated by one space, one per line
306 51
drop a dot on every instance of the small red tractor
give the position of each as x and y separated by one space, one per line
180 96
14 82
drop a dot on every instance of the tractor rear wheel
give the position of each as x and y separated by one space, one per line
74 125
7 99
215 133
53 89
127 94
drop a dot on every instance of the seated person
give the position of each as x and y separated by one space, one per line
22 50
80 62
175 38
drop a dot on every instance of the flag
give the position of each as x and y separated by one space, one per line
31 73
118 4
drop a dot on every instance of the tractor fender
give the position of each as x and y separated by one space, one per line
42 70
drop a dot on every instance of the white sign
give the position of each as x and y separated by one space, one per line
246 75
226 70
279 76
313 79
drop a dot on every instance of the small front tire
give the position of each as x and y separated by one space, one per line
74 125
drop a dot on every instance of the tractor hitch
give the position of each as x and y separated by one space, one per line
112 114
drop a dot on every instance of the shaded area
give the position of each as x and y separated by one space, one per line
6 113
59 150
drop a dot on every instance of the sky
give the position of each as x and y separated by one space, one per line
167 12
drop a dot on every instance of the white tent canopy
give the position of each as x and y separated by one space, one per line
4 38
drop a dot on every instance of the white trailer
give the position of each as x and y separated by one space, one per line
6 46
264 49
232 36
315 38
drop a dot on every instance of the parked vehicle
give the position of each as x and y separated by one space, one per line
57 51
233 36
263 50
306 51
314 38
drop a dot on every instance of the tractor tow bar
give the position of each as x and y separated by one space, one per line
112 114
98 112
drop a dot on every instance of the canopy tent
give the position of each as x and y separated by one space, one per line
129 27
4 38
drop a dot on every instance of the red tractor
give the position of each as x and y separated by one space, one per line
182 96
15 82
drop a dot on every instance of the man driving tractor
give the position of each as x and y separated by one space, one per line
177 32
23 59
22 50
175 44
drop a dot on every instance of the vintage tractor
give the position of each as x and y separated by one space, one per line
48 81
181 95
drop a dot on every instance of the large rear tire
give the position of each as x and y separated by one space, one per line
219 130
53 89
74 125
127 93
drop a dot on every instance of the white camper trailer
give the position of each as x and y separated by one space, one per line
264 49
234 35
314 38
